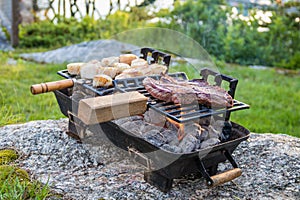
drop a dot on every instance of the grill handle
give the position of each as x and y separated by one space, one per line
225 177
51 86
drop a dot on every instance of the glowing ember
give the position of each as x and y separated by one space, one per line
182 130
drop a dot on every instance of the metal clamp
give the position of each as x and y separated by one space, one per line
166 58
219 78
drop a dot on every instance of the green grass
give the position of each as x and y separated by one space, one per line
274 98
17 104
15 182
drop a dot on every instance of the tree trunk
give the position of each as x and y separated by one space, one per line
15 23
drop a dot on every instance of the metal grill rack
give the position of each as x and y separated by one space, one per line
87 84
177 112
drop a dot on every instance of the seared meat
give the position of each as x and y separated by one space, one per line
186 92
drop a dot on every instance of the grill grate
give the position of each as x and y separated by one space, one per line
87 84
177 112
133 84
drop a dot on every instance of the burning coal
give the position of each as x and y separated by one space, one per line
172 136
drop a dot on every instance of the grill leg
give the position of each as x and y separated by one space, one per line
213 170
72 131
162 183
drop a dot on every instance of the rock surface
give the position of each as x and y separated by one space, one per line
270 165
4 43
83 52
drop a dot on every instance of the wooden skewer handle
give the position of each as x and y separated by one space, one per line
226 176
51 86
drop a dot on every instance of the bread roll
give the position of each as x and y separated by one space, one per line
109 71
102 80
121 66
74 68
139 62
110 61
129 73
127 58
142 71
95 62
90 69
156 69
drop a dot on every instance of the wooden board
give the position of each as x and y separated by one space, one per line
106 108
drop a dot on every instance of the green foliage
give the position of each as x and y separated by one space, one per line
146 3
235 40
66 32
210 23
292 63
7 171
46 34
15 184
204 21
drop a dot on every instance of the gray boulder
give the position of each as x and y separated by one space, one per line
82 52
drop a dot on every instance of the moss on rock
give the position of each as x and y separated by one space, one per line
7 156
12 172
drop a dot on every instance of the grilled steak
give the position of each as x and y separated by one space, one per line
186 92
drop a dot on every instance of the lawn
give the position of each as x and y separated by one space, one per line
17 104
273 97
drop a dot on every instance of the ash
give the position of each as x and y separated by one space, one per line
270 165
157 130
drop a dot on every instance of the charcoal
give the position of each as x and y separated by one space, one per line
192 129
155 138
171 126
153 117
148 127
133 127
206 121
213 133
218 125
204 134
127 119
226 131
171 148
136 118
210 142
121 121
171 137
189 143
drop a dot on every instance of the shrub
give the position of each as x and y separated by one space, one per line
235 40
71 31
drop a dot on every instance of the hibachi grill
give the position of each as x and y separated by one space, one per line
170 139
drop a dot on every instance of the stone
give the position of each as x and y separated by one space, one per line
82 52
83 171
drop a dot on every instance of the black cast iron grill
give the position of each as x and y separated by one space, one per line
160 173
